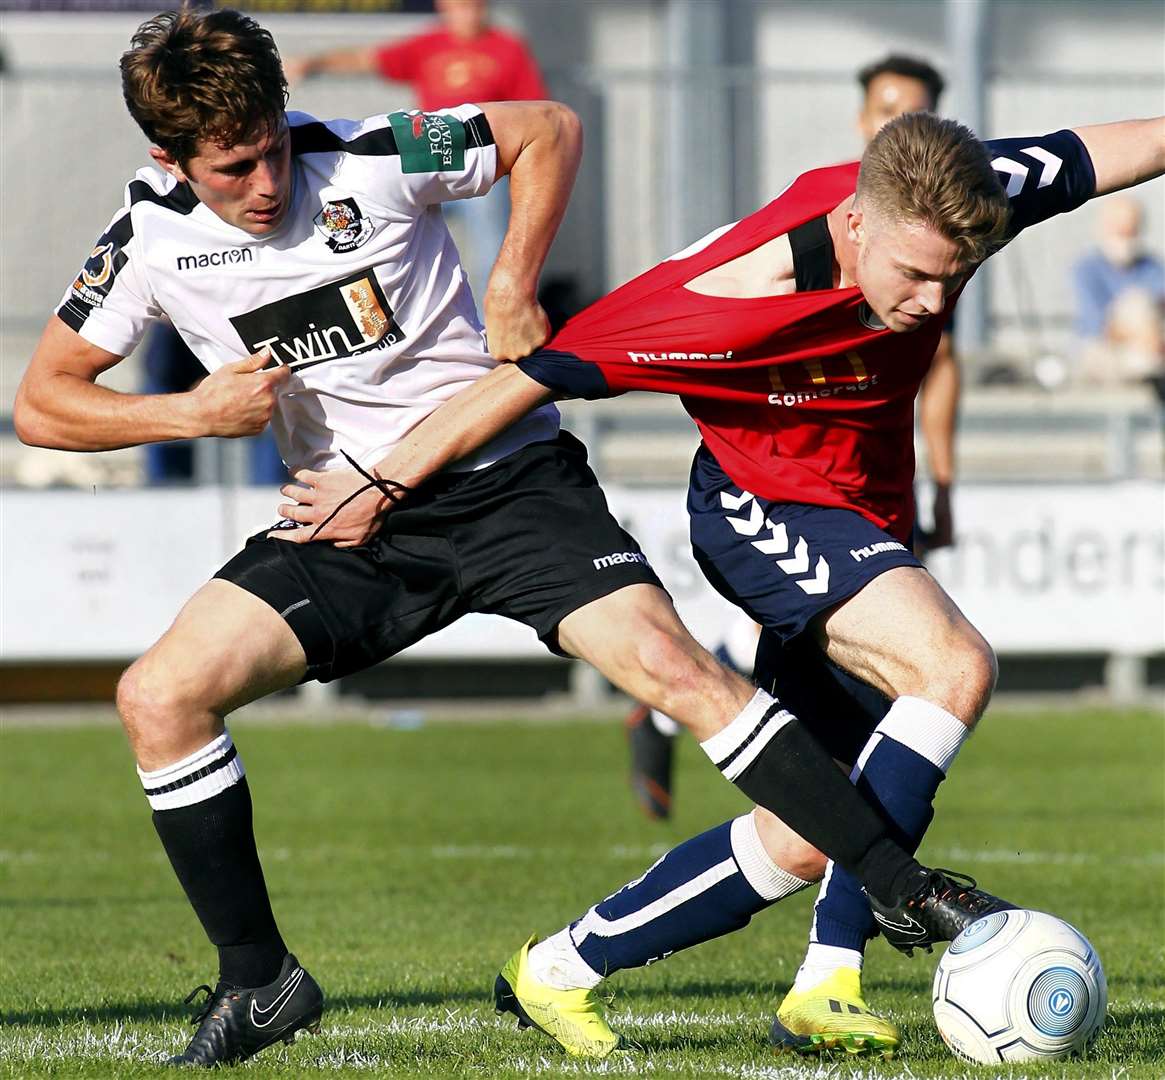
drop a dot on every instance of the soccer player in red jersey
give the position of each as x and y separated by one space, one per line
892 86
797 339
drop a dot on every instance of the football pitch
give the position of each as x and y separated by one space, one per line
406 865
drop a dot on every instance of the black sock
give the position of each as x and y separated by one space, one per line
207 832
771 756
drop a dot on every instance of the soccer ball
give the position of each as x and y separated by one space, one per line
1019 986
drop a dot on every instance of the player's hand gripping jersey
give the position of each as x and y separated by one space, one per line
802 397
359 291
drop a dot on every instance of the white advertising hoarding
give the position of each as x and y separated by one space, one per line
1055 568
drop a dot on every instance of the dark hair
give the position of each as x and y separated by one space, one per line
909 67
920 168
202 75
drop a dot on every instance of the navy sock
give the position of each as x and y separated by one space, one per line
902 783
708 886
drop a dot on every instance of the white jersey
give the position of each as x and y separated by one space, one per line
359 291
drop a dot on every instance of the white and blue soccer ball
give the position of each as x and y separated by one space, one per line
1019 986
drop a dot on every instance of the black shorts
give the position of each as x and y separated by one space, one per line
529 537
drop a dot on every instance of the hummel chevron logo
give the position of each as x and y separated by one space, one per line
819 583
1051 164
274 1007
749 526
798 563
1017 173
735 502
778 544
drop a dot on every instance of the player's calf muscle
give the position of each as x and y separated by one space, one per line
635 638
688 683
788 850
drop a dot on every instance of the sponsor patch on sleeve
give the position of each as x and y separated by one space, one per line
92 284
429 142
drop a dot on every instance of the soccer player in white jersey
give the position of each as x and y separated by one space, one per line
307 266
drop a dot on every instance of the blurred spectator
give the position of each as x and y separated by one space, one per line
1120 300
893 86
890 87
463 59
171 368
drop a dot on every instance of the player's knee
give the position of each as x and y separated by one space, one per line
153 700
960 676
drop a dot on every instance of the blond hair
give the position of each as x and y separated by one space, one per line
194 76
921 168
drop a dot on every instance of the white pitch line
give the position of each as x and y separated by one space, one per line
515 852
1047 858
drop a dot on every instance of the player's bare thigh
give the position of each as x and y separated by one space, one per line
635 638
905 636
225 648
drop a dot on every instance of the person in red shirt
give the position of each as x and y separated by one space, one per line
797 339
462 59
891 86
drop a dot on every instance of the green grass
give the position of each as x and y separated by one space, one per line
405 866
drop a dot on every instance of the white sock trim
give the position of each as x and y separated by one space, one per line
769 880
735 747
821 961
925 728
594 923
196 778
556 962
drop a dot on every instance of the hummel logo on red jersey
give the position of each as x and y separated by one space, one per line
662 357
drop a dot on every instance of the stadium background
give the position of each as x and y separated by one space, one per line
408 863
695 113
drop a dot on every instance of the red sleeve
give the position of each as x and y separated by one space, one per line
398 60
525 82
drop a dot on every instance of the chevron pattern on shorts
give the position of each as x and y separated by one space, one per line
776 543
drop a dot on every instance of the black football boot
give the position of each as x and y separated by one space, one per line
237 1022
939 906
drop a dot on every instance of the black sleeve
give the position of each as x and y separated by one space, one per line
1043 176
566 374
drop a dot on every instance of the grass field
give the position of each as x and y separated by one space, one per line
405 866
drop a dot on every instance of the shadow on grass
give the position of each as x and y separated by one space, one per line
168 1011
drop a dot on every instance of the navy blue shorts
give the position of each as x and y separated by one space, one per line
784 564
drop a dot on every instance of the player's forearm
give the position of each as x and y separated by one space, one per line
462 425
336 62
939 413
541 175
1125 153
65 412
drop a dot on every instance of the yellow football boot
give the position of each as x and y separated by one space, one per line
832 1016
572 1018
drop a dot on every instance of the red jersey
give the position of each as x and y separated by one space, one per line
804 397
445 70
